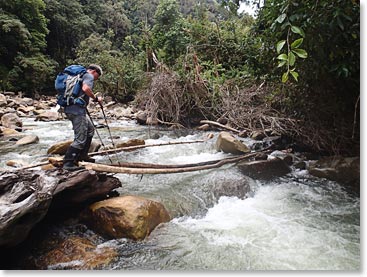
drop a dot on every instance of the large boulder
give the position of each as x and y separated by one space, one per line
131 217
12 121
131 142
265 170
229 144
28 140
3 100
69 253
48 116
59 147
233 187
345 170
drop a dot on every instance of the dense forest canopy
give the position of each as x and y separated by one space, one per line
304 55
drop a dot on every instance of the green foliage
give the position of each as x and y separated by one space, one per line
293 51
169 31
31 73
68 27
330 32
122 73
23 29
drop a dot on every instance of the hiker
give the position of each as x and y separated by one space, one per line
82 125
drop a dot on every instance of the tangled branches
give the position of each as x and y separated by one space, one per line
253 109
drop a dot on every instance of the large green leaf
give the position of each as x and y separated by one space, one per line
280 45
291 59
300 53
295 75
282 63
295 44
283 57
298 30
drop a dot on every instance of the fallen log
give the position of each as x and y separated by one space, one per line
130 148
219 125
164 170
106 152
26 196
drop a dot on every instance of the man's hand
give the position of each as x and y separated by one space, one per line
98 99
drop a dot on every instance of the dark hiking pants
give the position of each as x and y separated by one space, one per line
83 128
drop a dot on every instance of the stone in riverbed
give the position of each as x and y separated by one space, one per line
265 170
229 144
27 140
125 217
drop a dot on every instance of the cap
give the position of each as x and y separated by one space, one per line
97 68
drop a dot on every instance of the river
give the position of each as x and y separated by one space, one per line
294 222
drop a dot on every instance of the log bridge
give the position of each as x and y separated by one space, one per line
26 195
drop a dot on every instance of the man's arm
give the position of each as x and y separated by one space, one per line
88 91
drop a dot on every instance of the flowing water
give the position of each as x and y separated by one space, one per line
294 222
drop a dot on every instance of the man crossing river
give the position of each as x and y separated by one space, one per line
82 125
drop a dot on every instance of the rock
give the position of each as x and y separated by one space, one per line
9 93
141 117
123 112
12 121
27 140
125 217
235 187
59 148
257 135
284 155
25 109
94 146
131 142
26 196
300 165
10 132
3 100
48 116
264 170
243 134
16 163
71 253
228 144
25 101
340 169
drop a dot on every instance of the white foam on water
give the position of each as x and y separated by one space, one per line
284 226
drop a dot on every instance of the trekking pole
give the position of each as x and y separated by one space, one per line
109 131
108 127
95 128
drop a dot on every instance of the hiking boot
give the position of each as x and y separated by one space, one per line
87 159
84 152
70 158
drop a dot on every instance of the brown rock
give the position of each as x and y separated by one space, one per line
11 120
27 140
264 170
131 142
75 253
59 148
126 216
228 144
48 116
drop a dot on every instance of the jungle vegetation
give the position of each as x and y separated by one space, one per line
293 68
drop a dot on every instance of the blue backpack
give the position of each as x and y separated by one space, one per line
68 85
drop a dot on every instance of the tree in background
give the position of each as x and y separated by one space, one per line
169 31
23 29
